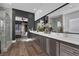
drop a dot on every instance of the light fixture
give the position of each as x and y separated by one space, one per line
40 11
70 6
35 9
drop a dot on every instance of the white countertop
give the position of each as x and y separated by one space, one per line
60 36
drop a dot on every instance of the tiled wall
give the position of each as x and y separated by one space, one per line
6 29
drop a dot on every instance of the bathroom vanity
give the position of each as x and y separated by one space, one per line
56 44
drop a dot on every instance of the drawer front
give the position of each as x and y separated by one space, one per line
68 49
65 52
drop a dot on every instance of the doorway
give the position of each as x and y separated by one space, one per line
21 24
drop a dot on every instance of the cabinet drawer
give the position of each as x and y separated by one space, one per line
65 53
68 49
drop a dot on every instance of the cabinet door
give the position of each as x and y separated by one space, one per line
52 47
57 48
64 54
38 39
67 50
43 43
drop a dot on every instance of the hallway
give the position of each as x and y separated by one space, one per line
22 48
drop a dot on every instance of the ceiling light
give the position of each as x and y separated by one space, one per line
40 11
34 9
71 6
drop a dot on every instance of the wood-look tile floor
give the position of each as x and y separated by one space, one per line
21 48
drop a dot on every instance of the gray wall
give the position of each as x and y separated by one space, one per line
21 13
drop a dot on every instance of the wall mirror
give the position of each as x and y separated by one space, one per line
56 23
72 22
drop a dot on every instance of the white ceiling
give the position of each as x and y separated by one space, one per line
39 6
40 9
66 9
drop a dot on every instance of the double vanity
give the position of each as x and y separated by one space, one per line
57 44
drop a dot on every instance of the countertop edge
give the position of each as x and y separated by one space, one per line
65 39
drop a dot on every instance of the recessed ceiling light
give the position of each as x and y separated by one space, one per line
34 9
40 10
71 6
